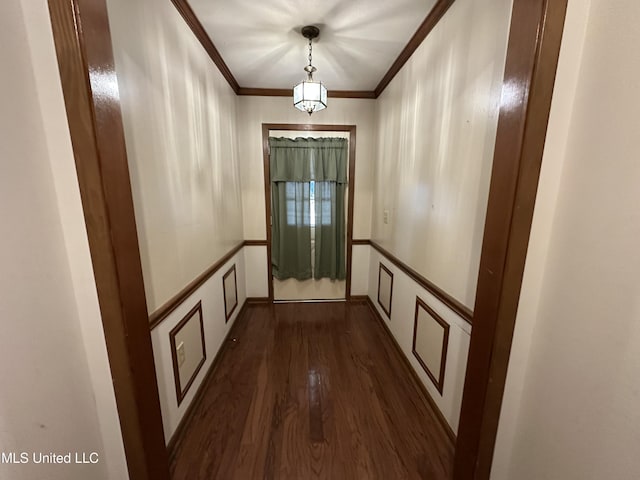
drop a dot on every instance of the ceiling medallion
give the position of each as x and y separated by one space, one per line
310 95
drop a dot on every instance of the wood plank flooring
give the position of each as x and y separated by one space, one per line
311 391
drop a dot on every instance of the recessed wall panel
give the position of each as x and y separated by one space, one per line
430 342
230 289
188 350
385 289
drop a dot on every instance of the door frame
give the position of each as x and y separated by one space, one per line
88 77
266 155
533 49
85 58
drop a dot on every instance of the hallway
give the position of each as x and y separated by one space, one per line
311 390
491 228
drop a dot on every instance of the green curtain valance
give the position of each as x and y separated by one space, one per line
308 159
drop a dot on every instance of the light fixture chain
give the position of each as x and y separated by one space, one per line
310 47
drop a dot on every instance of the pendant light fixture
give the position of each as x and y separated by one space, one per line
310 95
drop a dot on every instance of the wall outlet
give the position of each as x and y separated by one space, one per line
181 354
385 217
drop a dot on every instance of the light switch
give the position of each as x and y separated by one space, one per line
181 354
385 217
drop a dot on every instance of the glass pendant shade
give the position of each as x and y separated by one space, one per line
310 96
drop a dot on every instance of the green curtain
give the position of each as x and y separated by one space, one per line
295 163
330 231
290 230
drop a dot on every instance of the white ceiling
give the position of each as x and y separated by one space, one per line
260 40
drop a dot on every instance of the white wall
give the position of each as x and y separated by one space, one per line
57 394
215 329
436 125
257 277
252 113
572 395
403 303
180 125
360 269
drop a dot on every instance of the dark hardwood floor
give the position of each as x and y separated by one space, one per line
311 391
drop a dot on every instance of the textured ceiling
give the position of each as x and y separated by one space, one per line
260 41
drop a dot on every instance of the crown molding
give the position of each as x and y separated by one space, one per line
201 34
286 92
431 20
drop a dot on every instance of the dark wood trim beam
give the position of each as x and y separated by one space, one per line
532 58
266 92
255 243
414 375
267 201
83 46
361 241
365 94
203 37
286 92
431 287
174 302
434 16
307 127
351 187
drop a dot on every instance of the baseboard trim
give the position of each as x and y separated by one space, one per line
175 439
359 298
312 300
425 393
258 300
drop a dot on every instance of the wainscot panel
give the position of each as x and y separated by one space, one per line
216 326
401 326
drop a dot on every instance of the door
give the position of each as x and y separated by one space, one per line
292 289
